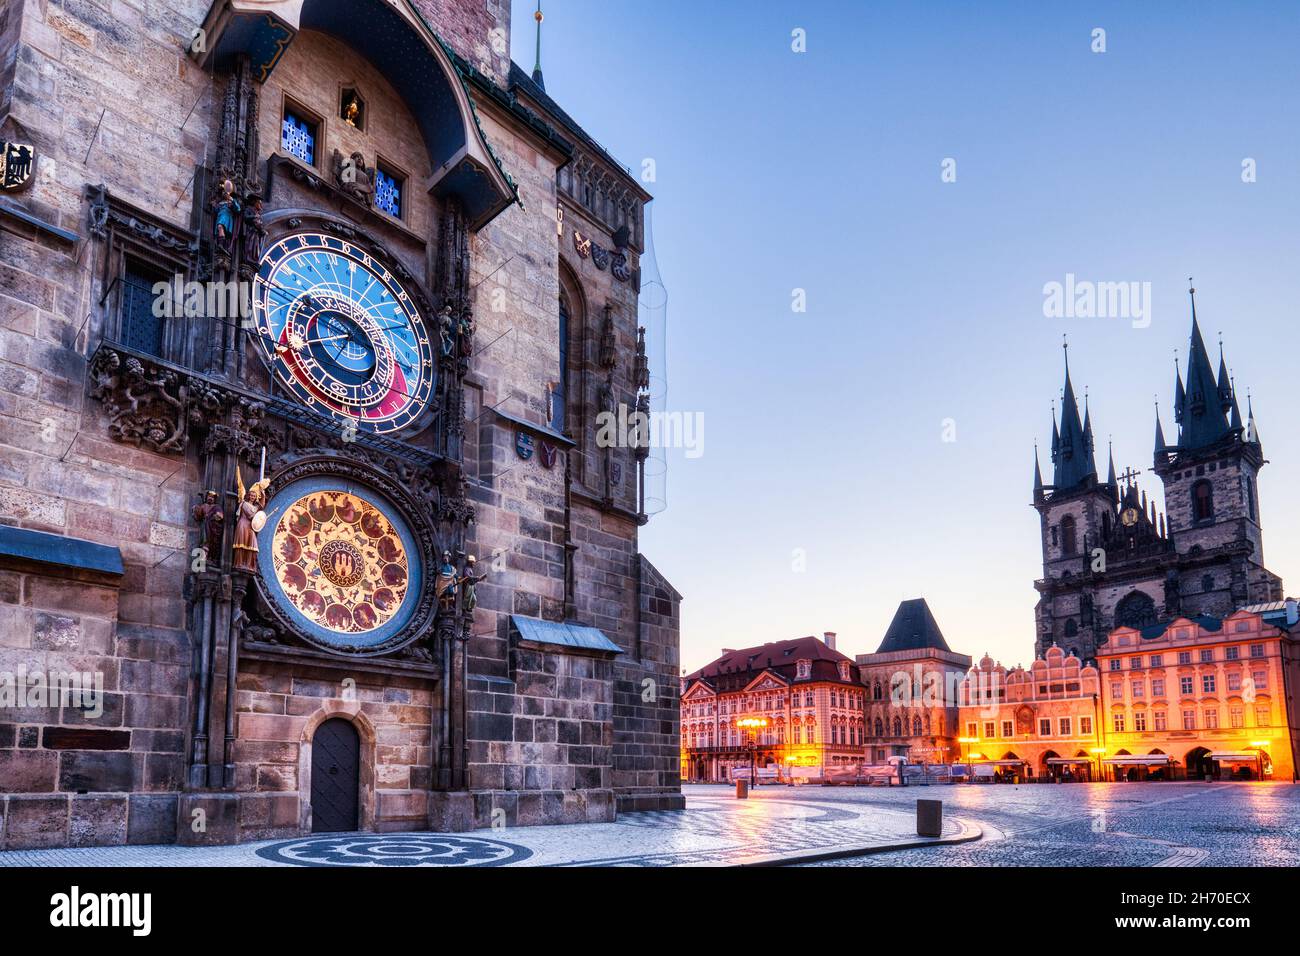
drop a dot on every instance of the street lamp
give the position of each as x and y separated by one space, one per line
1258 746
1101 752
752 725
966 742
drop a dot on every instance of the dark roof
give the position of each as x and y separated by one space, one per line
913 628
1072 450
520 81
778 656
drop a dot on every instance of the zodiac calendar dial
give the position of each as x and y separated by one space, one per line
341 334
341 562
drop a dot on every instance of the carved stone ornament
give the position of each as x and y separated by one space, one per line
145 405
18 160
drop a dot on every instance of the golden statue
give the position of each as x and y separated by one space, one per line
251 520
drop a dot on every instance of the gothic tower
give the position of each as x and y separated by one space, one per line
1210 479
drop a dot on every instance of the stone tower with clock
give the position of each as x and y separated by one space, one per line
1112 558
305 343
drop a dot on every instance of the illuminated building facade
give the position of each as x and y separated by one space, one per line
1040 721
1204 697
810 695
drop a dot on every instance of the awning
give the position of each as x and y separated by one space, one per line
575 637
1150 760
1235 757
1001 763
1068 760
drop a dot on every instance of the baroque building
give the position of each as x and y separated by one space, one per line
308 309
1110 559
806 694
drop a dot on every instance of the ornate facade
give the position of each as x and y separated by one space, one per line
307 313
807 694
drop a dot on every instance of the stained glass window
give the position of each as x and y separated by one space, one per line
298 137
388 193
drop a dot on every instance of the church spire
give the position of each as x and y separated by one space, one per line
537 64
1038 475
1162 448
1252 430
1075 463
1204 417
1179 394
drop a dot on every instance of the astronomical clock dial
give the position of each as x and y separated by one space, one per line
341 333
341 562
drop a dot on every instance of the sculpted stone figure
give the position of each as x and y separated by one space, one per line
250 521
469 580
353 177
212 520
445 583
227 211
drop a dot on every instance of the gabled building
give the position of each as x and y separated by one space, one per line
808 692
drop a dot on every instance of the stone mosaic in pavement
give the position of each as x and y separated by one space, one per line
715 829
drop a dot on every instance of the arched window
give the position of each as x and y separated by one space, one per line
1202 501
1067 535
560 387
916 726
876 692
1136 610
898 727
1250 498
1071 627
880 727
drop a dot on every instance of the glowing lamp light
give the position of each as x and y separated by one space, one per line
1260 743
976 756
968 740
1097 750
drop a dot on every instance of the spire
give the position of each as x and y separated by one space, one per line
1179 394
1225 380
1162 449
537 65
1204 420
1235 421
1252 430
1038 475
1110 473
1075 462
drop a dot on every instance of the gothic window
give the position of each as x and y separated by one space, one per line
1202 501
1071 627
1136 610
561 391
1105 524
880 727
298 134
141 328
876 692
1067 535
916 726
1207 582
389 187
1250 499
898 727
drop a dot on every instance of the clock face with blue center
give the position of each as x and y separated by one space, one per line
341 334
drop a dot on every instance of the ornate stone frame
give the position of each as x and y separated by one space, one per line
421 624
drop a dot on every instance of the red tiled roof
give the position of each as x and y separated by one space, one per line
780 653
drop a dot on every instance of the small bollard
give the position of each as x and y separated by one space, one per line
929 818
742 789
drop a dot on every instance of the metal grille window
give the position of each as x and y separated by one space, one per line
388 192
141 329
298 137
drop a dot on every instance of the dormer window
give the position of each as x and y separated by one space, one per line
844 670
804 669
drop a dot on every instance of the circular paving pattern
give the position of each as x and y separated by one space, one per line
409 849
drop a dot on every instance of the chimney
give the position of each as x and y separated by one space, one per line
828 637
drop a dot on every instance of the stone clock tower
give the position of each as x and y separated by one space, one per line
322 504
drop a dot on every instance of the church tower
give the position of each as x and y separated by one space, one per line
1076 511
1210 476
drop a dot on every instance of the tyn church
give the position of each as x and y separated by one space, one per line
1111 559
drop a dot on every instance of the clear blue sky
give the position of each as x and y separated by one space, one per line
821 171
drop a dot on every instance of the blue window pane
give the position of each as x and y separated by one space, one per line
298 138
388 193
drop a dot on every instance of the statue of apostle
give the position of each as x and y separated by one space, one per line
469 600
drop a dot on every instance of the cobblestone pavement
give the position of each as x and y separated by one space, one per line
1132 824
714 829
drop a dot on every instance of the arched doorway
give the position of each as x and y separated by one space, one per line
335 777
1049 769
1199 764
1158 771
